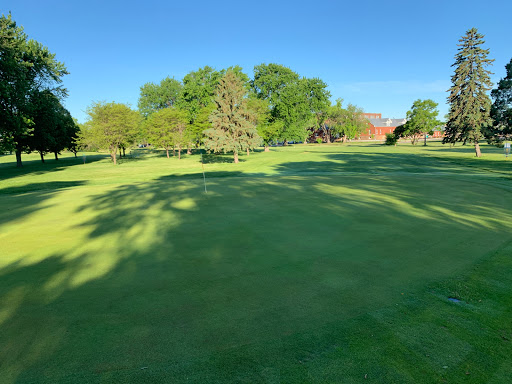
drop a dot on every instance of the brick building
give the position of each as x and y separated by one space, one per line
379 127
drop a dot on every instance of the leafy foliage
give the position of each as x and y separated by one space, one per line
112 126
345 122
26 68
294 102
421 120
391 139
168 128
154 97
232 131
501 110
469 103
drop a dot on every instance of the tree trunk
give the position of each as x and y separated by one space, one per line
179 152
19 164
124 152
189 151
113 155
75 154
328 139
56 156
235 157
42 157
267 149
167 151
247 151
425 140
173 151
477 150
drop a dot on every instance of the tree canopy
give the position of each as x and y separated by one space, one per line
26 68
501 110
111 126
421 120
154 97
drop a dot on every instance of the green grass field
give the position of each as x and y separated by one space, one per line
308 264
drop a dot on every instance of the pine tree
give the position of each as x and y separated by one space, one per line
231 129
501 110
469 103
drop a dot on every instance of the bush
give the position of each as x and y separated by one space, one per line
319 140
391 139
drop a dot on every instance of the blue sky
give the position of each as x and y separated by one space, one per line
378 55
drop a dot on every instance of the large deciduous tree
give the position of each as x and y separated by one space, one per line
112 126
346 123
469 103
293 101
26 67
421 121
501 110
231 129
154 97
167 128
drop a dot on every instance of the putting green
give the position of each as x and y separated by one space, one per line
306 264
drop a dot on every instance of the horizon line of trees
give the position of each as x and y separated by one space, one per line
226 111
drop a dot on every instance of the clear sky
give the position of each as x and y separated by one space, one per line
379 55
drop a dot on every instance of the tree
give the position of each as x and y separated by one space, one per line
168 128
501 110
292 100
345 122
259 115
26 67
231 130
469 103
111 126
198 90
421 120
154 97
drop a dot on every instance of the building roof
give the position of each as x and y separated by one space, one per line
387 122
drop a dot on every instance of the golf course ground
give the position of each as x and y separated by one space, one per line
341 263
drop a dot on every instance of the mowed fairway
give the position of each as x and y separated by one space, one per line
308 264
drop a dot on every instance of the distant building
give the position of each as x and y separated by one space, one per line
379 127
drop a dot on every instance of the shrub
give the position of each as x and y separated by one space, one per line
391 139
319 140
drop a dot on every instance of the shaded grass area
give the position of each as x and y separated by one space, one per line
325 266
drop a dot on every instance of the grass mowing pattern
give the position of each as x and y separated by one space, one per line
306 264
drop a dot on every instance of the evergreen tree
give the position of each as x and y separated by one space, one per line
231 129
469 103
501 110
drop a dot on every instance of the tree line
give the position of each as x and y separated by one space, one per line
226 110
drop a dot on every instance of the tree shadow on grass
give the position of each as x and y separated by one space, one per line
35 167
23 200
239 284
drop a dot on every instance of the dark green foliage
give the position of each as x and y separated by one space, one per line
154 97
293 101
198 90
391 139
501 110
469 103
26 68
232 130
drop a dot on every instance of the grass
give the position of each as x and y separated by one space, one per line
308 264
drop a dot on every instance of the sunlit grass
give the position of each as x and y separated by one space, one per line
316 263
